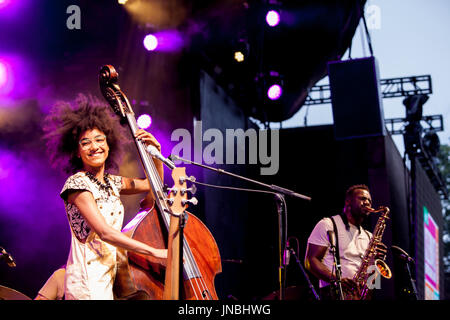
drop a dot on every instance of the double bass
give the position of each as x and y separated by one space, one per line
189 276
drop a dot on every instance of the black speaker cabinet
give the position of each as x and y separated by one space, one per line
356 98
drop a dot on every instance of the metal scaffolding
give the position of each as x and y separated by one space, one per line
394 88
390 88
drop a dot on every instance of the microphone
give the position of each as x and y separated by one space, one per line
8 258
156 154
332 238
402 254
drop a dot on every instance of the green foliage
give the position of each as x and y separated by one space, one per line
444 167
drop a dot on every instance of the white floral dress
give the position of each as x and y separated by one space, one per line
91 265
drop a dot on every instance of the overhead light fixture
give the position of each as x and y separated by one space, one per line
4 3
414 106
3 74
144 121
274 85
432 143
241 50
239 56
150 42
273 18
274 92
6 77
169 40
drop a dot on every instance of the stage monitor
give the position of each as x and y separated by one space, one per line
356 98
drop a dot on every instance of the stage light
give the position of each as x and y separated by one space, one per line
164 41
144 121
414 106
272 82
241 50
432 143
239 56
6 77
3 74
274 92
150 42
120 1
272 18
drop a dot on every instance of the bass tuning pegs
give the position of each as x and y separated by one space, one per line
192 190
192 201
183 179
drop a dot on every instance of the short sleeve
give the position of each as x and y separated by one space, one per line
319 235
116 181
74 182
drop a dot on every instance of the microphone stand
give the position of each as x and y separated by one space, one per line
413 282
282 245
403 256
281 209
337 267
310 285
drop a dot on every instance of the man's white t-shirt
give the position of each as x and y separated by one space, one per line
353 243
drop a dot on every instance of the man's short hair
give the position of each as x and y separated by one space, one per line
350 191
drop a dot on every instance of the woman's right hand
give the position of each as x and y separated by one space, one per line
159 253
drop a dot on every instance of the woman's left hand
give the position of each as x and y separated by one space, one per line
147 138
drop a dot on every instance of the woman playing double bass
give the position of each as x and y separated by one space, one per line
86 140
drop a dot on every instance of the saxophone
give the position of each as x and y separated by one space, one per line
365 271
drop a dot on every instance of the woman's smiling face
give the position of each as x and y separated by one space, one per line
93 148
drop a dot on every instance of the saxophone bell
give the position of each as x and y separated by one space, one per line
383 269
364 274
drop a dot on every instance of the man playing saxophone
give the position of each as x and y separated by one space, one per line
350 241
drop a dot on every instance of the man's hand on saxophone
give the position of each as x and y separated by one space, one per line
349 286
356 248
380 251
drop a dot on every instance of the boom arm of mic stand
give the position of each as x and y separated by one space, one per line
275 188
281 205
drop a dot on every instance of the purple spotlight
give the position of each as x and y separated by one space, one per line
272 18
274 92
10 68
4 3
3 74
150 42
164 41
144 121
6 78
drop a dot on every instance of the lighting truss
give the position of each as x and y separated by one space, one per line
435 123
393 88
390 88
